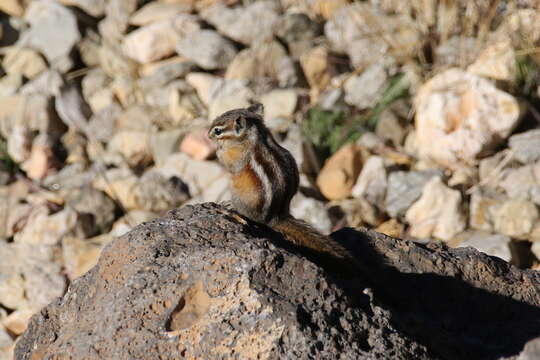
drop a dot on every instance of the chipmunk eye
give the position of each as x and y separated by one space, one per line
218 131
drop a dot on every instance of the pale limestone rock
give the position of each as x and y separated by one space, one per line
156 11
42 228
158 40
53 31
190 170
522 183
207 49
404 188
164 143
25 61
227 95
311 210
203 83
483 204
491 244
279 106
118 184
41 160
465 113
339 173
264 60
437 213
515 218
526 146
316 67
371 183
367 34
197 145
364 90
17 321
184 105
497 61
248 24
132 145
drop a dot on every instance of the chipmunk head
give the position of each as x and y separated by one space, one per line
236 125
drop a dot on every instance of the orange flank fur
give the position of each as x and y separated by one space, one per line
246 185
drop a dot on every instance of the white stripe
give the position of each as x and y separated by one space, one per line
263 177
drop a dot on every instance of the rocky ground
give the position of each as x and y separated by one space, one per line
418 119
197 284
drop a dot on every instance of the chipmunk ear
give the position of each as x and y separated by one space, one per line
257 108
239 125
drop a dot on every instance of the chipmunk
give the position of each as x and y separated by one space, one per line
264 177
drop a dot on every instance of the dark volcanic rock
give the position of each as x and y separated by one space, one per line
199 284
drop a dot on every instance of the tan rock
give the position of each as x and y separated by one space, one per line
19 60
497 61
17 321
119 185
81 255
392 228
279 103
437 213
190 170
465 113
44 229
184 105
198 145
130 220
339 173
326 8
132 145
316 67
156 11
515 218
227 95
12 7
41 160
481 209
203 83
158 40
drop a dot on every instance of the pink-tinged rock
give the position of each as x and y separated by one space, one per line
198 146
460 116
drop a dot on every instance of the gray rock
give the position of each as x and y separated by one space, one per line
371 183
168 262
254 22
164 143
526 146
207 49
53 31
522 182
72 108
71 176
311 210
165 74
404 188
457 51
103 124
226 95
48 82
156 193
29 276
488 243
87 200
364 90
232 286
295 27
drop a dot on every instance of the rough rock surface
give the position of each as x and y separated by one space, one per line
226 291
